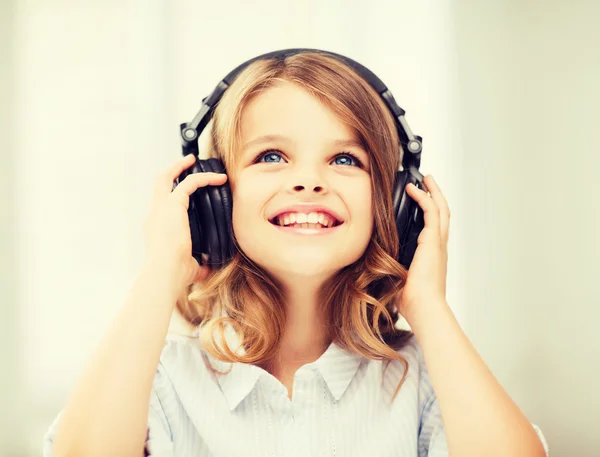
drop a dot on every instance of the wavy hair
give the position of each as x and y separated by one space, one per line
360 299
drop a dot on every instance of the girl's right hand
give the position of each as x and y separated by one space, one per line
167 227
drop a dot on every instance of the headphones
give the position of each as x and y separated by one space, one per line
210 207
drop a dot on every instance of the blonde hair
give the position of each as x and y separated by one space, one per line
360 299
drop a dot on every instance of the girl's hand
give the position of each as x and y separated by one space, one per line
167 227
426 282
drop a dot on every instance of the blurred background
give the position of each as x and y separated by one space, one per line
505 94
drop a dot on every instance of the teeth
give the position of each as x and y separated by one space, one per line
303 219
300 218
307 225
313 218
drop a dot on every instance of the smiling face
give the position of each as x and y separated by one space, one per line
305 160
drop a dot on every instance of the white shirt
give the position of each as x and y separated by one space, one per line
340 407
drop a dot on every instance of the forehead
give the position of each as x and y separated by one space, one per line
288 110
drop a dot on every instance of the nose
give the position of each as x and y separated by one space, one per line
315 188
307 178
308 182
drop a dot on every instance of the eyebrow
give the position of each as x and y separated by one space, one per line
267 138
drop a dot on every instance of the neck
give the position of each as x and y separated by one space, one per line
307 335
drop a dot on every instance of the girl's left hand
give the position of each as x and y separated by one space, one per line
426 282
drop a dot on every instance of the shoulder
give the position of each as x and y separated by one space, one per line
181 357
412 352
180 374
417 383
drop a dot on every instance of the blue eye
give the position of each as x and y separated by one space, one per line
345 154
268 154
273 154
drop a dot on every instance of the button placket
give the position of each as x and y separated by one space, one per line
301 404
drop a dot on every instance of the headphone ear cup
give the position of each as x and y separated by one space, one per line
202 220
197 233
198 241
222 206
409 216
213 215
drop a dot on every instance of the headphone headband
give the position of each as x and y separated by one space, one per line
191 131
211 207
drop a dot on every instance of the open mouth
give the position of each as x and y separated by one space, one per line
315 221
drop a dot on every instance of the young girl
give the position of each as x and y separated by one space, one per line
294 349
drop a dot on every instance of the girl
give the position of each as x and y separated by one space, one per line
294 349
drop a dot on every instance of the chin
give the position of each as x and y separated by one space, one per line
301 257
309 266
307 269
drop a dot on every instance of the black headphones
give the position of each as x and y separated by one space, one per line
210 207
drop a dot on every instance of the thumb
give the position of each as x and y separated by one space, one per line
201 273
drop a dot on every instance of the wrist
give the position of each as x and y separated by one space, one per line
418 316
158 275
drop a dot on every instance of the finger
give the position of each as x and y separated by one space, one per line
442 204
164 182
192 182
431 213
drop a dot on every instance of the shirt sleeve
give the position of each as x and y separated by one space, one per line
49 436
432 436
159 439
542 439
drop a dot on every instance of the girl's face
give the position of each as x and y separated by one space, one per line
304 163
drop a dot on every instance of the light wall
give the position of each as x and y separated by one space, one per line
530 105
97 90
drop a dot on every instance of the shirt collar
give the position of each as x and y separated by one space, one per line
239 378
336 366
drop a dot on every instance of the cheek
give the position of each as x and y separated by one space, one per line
367 217
248 207
242 205
244 227
360 201
364 207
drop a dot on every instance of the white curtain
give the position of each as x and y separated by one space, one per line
96 91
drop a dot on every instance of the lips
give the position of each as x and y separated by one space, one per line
307 208
310 232
324 220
